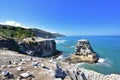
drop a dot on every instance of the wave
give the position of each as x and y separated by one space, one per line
72 46
101 60
60 41
104 62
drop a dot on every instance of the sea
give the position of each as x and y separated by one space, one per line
107 47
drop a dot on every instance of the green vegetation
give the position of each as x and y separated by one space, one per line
7 31
15 32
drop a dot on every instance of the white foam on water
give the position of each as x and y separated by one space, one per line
72 46
60 41
78 64
104 62
101 60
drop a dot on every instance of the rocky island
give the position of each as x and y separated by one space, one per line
83 53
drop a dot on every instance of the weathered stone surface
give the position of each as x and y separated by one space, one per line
58 70
31 46
38 47
59 73
83 53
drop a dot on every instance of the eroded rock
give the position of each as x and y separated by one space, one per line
83 53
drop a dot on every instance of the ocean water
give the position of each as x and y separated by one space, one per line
108 48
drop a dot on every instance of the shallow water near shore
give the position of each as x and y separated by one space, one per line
107 47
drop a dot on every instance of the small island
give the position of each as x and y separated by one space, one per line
83 53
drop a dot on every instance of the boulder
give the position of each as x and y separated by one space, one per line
59 73
83 53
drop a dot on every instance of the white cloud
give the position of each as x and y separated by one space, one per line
13 23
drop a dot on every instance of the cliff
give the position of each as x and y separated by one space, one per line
83 53
38 47
31 46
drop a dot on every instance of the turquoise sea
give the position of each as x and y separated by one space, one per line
108 48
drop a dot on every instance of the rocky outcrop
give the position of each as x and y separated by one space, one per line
83 53
32 46
38 47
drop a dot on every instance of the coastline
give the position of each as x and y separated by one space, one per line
89 74
107 48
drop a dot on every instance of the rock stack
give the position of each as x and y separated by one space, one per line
83 53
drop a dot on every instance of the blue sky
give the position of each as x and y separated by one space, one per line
70 17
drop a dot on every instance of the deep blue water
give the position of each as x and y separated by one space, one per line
108 48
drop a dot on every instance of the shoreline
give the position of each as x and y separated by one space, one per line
6 55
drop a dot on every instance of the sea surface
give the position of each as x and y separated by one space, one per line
107 47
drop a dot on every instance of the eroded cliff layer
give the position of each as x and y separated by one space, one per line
31 46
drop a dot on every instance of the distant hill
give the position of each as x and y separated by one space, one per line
20 33
58 35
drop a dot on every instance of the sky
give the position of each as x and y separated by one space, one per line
69 17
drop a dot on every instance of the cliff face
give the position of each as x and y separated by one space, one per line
83 53
38 47
31 46
8 44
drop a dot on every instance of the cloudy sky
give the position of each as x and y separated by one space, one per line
70 17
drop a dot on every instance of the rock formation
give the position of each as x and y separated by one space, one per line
83 53
39 47
31 46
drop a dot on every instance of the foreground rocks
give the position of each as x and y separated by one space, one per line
83 53
34 68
